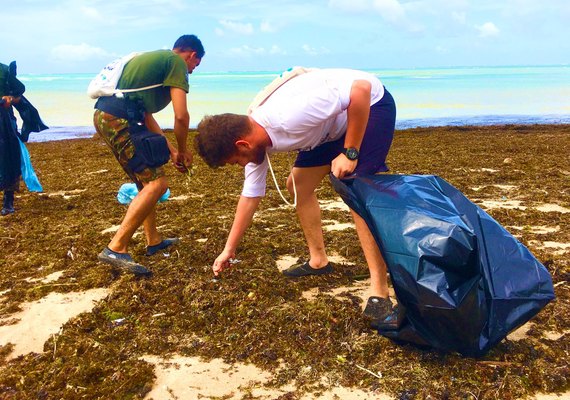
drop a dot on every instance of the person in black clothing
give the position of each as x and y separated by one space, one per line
11 96
11 90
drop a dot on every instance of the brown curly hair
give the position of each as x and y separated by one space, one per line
217 134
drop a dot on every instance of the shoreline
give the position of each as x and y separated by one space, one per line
78 132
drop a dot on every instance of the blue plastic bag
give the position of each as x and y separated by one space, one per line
128 191
463 280
28 174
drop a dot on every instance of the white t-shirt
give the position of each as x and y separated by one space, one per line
305 112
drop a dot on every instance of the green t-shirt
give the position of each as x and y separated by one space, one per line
10 85
160 66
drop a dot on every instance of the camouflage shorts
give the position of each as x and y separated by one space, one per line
115 132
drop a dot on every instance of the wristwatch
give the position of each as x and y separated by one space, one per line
351 153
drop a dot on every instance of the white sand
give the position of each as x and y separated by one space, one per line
332 225
40 319
508 204
191 378
337 204
552 208
537 230
502 187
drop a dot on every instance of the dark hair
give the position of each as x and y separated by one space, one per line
190 42
217 134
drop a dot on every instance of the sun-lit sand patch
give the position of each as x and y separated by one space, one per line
3 292
520 333
508 204
552 208
66 194
550 335
332 225
48 279
491 170
191 378
285 262
537 230
553 396
112 229
40 319
203 240
502 187
555 247
181 197
333 205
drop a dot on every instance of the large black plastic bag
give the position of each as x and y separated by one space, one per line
464 281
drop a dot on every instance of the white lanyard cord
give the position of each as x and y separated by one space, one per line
277 185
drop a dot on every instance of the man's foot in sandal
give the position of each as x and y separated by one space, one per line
377 310
123 261
152 250
304 269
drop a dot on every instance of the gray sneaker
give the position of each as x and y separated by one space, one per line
123 261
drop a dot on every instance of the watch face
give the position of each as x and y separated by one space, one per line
351 153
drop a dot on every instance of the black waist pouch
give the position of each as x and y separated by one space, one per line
151 149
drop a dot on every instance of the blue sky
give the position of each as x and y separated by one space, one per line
47 36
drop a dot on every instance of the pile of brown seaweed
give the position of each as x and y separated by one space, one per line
254 314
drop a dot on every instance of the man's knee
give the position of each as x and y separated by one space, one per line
158 186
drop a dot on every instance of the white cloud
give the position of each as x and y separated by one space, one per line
78 52
219 31
267 27
488 29
460 17
91 12
277 50
350 5
313 51
441 50
237 27
391 10
246 50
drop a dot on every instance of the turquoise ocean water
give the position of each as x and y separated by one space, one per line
424 97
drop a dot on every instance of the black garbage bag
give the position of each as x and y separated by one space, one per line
31 121
462 279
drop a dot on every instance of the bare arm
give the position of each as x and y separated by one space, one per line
244 215
357 118
182 158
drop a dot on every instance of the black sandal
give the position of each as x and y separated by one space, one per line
304 269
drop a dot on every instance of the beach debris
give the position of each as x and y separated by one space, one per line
118 321
71 253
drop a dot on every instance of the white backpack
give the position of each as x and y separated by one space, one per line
260 98
106 81
275 84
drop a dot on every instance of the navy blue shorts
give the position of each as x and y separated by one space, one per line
375 144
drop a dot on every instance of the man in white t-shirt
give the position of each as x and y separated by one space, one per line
340 121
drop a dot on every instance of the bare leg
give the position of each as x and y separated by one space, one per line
141 208
309 210
374 259
150 231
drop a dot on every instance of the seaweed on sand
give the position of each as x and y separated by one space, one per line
253 314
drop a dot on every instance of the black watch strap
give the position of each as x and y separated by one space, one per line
351 153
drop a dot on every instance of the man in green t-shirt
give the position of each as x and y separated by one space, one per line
117 118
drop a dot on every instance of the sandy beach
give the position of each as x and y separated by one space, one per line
71 327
